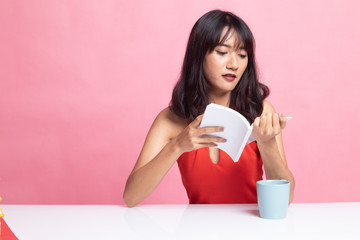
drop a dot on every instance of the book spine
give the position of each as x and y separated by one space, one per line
245 140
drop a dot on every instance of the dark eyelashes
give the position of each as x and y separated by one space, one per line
223 53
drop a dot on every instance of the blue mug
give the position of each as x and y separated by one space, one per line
273 198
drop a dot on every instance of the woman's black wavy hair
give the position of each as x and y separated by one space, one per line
190 95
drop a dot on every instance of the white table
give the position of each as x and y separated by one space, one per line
238 221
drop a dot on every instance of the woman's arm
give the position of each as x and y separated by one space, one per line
267 132
167 139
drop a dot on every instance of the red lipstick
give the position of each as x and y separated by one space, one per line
229 76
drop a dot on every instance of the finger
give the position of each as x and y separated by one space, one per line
207 130
276 122
208 139
202 145
269 122
262 123
283 121
197 121
257 122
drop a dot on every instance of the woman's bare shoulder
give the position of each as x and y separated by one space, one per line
169 122
268 107
167 116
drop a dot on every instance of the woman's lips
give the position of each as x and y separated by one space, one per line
229 77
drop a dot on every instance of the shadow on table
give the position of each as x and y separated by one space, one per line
192 222
143 225
254 212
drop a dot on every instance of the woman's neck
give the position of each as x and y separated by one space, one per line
221 99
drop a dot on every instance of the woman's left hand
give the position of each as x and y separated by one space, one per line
268 126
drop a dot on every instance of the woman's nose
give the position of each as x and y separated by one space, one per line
233 62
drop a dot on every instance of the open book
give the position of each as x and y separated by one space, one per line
237 130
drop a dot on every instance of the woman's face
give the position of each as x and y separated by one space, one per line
224 66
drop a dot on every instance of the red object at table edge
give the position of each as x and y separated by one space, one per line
5 231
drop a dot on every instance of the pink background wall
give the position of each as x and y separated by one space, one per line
82 81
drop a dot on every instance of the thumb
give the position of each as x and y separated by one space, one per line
283 121
197 121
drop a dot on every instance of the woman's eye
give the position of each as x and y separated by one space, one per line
220 53
243 55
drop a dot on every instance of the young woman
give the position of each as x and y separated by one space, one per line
219 67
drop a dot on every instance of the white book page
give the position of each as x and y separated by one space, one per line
236 128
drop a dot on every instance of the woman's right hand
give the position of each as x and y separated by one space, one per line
193 137
159 153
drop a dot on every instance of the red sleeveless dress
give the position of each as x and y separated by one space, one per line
224 182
